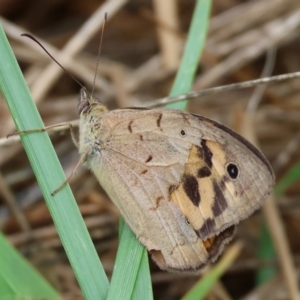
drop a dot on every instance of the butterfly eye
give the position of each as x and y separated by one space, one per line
187 222
182 132
82 106
232 171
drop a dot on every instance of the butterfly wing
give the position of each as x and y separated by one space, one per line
233 179
167 171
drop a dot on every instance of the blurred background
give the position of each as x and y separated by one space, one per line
141 51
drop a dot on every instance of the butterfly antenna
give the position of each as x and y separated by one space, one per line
99 52
35 40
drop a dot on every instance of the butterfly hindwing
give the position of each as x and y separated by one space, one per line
181 181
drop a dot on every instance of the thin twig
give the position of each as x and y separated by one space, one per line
272 34
13 206
74 46
166 11
224 88
267 71
291 148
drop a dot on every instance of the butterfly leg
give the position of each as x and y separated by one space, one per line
64 124
74 138
82 159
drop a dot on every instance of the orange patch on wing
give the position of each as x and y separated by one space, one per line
209 242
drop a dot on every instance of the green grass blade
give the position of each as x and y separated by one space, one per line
192 52
19 279
290 178
130 251
266 249
143 285
63 208
200 290
133 280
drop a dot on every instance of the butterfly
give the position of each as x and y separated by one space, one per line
181 181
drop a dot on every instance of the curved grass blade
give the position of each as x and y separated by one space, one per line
200 290
24 283
130 250
131 275
63 208
192 52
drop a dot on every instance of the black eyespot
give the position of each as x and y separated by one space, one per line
187 222
232 171
182 132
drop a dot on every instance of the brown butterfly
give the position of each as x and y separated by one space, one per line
181 181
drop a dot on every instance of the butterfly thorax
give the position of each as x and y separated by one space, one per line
91 111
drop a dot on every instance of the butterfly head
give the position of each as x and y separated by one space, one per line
88 103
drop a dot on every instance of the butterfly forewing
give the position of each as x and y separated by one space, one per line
178 179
